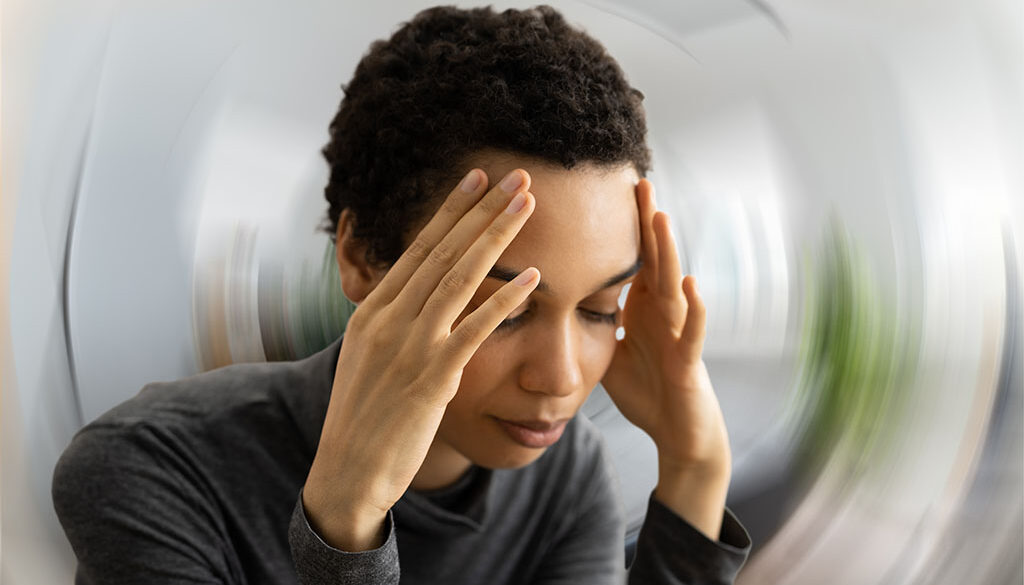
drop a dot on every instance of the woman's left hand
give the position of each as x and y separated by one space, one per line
659 382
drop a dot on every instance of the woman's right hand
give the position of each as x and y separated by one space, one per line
403 355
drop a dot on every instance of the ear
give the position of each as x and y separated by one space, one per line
358 276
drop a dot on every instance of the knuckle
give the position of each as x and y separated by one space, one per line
442 255
365 323
378 343
507 300
450 205
495 201
462 335
418 250
362 316
453 281
508 297
496 231
368 305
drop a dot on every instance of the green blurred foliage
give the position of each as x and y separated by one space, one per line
859 353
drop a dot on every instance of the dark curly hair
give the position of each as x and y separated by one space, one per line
451 83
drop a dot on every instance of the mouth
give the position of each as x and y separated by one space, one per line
535 434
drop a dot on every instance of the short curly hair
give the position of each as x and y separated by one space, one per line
453 82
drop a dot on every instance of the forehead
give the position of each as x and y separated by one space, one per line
585 226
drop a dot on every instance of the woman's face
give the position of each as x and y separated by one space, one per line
535 370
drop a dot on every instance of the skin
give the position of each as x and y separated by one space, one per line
442 347
556 346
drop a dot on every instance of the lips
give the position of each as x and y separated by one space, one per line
535 434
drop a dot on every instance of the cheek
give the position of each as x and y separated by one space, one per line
599 348
494 367
487 372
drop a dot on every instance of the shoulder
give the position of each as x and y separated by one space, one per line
218 393
204 422
297 388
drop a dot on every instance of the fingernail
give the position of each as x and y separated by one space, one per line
517 204
511 182
525 277
471 182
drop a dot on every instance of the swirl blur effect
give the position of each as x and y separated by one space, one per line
844 178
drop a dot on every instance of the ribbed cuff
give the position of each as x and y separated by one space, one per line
670 550
318 563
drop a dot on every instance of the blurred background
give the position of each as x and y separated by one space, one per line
846 179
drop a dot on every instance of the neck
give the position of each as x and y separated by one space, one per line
442 467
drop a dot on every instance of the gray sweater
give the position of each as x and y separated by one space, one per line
199 481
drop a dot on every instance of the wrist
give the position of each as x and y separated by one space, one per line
695 492
716 469
349 527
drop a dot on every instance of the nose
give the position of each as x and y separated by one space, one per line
552 362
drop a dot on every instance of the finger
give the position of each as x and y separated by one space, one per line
457 287
648 247
669 272
461 199
475 327
422 285
694 332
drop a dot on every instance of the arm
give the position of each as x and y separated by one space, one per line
130 518
401 362
318 562
658 380
136 511
670 550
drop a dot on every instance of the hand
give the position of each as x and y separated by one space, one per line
658 379
403 356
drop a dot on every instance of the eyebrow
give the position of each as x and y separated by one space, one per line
507 274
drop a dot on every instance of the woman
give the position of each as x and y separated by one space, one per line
438 442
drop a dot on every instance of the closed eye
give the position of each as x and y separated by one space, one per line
601 318
595 317
512 323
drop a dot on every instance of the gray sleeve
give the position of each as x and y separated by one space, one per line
130 517
669 550
317 563
672 552
591 548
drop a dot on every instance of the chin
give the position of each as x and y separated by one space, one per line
511 458
490 447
